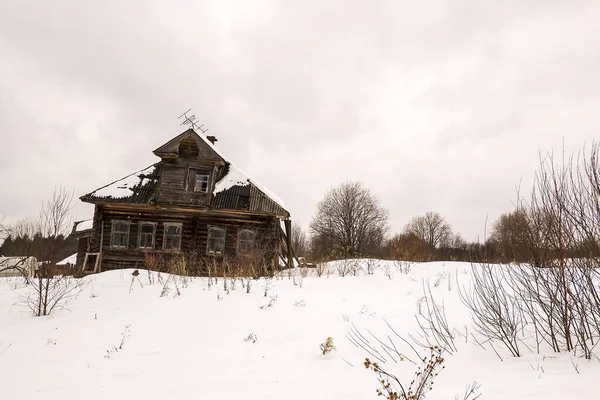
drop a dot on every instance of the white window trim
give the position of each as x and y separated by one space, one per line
165 226
211 228
112 233
139 238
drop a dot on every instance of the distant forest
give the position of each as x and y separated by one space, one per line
37 246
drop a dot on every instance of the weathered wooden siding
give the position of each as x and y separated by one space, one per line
176 184
194 235
172 177
82 248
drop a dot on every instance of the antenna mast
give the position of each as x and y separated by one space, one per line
192 122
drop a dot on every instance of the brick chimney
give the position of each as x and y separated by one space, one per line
212 139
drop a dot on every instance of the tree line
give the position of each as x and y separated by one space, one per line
45 237
559 219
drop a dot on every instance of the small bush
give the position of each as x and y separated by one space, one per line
328 346
391 387
251 338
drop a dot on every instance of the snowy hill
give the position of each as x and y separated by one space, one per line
124 340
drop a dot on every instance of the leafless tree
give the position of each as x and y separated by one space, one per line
350 219
50 290
3 229
56 220
299 240
431 228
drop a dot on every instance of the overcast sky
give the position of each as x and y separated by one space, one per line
436 105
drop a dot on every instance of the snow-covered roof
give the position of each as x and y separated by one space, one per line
234 191
81 226
72 259
236 177
138 187
125 187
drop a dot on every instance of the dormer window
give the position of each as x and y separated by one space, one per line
201 183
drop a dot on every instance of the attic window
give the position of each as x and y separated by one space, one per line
201 183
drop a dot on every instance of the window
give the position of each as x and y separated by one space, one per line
146 233
216 240
172 237
201 183
245 241
119 236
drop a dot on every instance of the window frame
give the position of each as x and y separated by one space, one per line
166 225
140 233
113 232
196 175
212 228
240 240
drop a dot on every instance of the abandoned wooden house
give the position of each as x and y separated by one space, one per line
192 203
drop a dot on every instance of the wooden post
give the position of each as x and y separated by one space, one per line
288 236
98 267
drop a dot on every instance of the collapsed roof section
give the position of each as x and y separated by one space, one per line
233 191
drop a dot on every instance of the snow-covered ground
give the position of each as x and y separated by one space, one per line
193 345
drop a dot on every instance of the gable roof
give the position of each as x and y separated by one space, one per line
205 147
234 191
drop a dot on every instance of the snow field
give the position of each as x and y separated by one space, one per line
192 345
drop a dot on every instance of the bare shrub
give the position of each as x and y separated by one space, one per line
372 264
554 236
387 271
433 324
385 349
393 389
271 303
115 349
50 288
320 269
404 267
177 269
49 292
344 267
355 267
303 271
135 276
327 346
495 312
470 392
251 338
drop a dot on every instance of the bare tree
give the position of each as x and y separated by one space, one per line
51 290
56 220
432 228
299 240
3 229
350 219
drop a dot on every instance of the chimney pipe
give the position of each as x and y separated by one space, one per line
212 139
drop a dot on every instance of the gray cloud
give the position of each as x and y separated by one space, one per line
437 105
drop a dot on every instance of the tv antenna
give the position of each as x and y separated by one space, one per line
192 122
